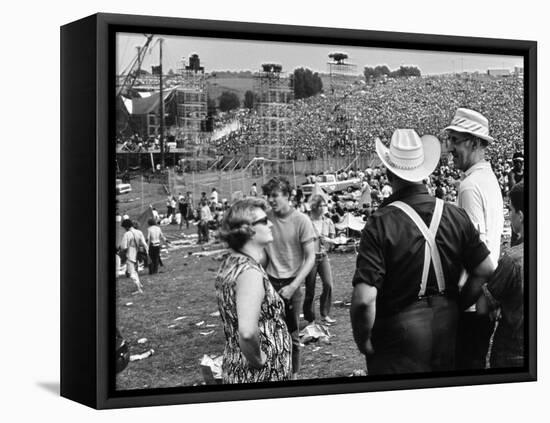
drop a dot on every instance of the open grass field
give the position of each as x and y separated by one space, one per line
176 301
176 315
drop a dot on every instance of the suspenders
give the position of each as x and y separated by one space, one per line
431 252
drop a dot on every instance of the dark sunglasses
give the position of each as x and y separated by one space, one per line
262 221
453 139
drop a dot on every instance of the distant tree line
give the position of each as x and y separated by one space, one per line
228 101
402 72
306 83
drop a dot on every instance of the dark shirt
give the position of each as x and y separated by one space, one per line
391 252
505 290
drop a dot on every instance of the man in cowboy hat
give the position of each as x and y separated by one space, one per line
480 196
404 307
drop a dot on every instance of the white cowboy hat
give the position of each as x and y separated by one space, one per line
471 122
410 157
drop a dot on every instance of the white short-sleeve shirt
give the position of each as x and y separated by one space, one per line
479 194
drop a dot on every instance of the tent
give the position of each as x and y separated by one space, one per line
355 223
317 190
145 105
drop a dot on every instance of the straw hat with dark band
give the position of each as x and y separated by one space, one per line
470 122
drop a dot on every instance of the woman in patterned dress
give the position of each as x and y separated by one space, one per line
258 344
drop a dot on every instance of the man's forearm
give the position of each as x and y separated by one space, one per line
471 291
362 322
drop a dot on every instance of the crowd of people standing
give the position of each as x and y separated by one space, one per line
422 263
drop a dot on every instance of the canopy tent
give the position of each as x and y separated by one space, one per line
317 190
355 223
145 105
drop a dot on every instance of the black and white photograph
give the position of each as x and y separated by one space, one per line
379 130
291 211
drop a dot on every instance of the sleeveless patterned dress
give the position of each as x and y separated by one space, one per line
274 338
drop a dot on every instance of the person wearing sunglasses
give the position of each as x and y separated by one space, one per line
480 196
258 345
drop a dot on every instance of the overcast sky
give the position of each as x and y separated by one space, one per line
220 54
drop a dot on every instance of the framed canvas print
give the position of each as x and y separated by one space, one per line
257 211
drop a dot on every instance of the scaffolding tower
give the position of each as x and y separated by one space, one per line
342 74
191 101
274 91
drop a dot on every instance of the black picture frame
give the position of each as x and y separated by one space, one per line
87 172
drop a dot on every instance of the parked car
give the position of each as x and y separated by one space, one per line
122 188
330 184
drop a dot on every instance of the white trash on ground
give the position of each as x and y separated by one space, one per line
146 354
314 332
211 368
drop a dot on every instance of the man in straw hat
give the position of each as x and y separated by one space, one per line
404 309
480 196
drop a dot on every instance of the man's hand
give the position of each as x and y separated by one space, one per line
366 349
286 292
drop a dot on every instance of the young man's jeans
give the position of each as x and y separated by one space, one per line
292 318
154 255
321 267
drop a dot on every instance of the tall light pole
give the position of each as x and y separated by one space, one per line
161 108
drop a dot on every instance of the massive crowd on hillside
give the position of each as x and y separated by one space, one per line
335 123
405 317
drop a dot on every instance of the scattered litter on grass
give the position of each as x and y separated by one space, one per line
215 314
338 303
325 340
210 332
171 326
211 368
211 326
128 304
314 332
221 256
200 323
347 304
142 341
146 354
359 372
209 253
315 349
180 318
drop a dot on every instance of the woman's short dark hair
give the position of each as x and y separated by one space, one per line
236 228
151 221
517 197
126 224
278 183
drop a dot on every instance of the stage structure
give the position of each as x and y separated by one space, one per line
344 113
342 74
191 101
274 91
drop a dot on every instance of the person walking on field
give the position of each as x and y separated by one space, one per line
130 245
155 238
291 256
